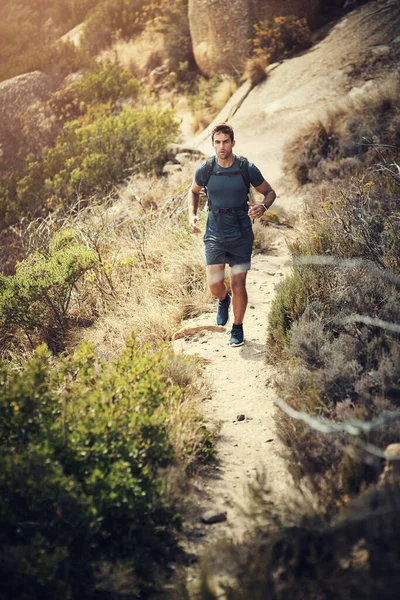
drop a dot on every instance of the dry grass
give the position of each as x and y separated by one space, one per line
151 276
256 70
151 272
264 238
201 119
224 90
353 134
140 56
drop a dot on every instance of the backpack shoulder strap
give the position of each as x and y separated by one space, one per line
208 169
244 170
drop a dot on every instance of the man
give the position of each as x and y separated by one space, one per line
229 237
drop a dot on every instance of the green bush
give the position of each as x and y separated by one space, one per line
125 18
288 305
29 42
340 366
80 486
63 58
280 38
92 158
37 299
105 83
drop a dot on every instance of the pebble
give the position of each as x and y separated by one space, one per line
214 516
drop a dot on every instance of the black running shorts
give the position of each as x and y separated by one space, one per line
233 253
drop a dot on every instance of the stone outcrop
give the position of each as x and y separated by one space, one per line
220 31
22 101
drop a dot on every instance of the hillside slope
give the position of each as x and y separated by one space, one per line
358 52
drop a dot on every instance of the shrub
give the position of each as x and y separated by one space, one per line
351 136
224 90
291 552
37 299
92 158
82 446
125 17
106 83
64 57
335 358
29 43
173 22
207 96
289 303
256 69
280 38
71 12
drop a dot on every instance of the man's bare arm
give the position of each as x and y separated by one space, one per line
193 206
269 194
257 210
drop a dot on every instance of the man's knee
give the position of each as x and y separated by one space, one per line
215 275
238 284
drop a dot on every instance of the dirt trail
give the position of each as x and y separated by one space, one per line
240 380
296 91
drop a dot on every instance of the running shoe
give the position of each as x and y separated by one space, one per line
237 336
223 310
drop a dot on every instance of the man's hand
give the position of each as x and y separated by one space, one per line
256 210
192 223
193 206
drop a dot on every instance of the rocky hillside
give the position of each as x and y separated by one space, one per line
348 59
209 22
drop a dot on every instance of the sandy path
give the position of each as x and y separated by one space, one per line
240 381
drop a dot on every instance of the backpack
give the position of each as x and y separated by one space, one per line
243 170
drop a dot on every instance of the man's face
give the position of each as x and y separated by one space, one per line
223 145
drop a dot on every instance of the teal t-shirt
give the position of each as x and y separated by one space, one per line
228 190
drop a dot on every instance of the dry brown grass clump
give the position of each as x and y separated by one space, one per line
256 70
139 56
224 90
358 133
151 269
149 272
264 238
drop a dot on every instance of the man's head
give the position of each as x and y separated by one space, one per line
223 128
223 142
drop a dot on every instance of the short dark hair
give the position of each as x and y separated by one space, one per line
223 128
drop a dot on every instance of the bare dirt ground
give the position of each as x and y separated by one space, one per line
242 400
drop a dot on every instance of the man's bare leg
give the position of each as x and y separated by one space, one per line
216 281
239 296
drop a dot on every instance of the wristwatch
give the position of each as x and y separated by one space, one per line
265 207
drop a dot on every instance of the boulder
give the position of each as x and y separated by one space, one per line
22 114
220 33
391 473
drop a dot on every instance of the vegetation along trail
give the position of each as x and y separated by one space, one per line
141 456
